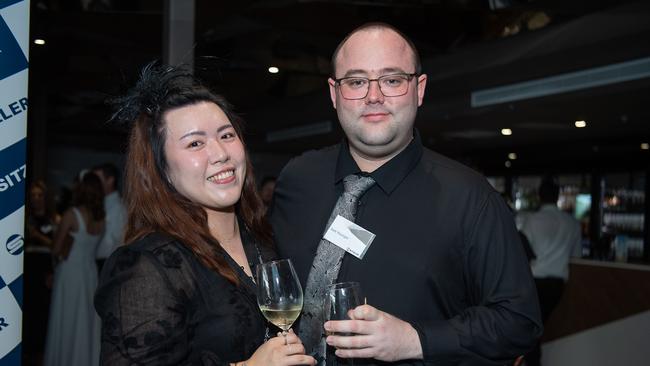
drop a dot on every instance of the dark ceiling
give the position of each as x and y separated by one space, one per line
95 50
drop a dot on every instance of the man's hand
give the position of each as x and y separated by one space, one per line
376 335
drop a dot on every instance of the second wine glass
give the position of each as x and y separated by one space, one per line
279 293
340 299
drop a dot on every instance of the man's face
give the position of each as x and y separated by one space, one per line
377 127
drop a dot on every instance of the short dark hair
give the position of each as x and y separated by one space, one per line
549 191
377 26
108 170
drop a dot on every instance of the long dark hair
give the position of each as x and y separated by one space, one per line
153 204
89 193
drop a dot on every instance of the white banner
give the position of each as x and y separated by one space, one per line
14 55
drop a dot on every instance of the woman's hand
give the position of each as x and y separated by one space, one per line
275 353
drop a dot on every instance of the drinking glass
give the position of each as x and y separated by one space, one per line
279 294
340 299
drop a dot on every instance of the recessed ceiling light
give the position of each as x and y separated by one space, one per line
506 131
645 146
508 164
512 156
39 41
581 124
273 70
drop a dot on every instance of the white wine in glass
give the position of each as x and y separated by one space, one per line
282 318
279 294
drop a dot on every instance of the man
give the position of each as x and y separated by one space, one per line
115 213
445 278
266 190
554 236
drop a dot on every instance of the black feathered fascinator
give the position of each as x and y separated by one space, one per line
150 92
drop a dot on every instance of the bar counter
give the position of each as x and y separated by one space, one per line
599 292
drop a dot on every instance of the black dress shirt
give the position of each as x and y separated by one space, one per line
161 306
446 257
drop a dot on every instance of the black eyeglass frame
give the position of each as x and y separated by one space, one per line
409 77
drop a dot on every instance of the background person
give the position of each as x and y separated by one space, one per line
266 190
115 212
554 237
40 225
73 326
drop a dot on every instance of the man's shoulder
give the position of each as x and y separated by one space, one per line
312 162
452 172
326 155
113 203
551 213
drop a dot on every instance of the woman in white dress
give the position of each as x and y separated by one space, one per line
74 327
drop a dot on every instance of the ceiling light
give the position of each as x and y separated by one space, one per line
39 41
273 70
506 131
508 164
512 156
645 146
581 124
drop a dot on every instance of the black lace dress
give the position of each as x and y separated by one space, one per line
160 306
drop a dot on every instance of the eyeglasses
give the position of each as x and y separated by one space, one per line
393 85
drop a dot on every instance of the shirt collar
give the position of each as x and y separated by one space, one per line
387 176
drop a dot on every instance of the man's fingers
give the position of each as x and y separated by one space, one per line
347 326
357 341
364 312
356 353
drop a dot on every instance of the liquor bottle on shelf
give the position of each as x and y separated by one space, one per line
623 222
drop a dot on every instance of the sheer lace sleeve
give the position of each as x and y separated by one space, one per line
144 311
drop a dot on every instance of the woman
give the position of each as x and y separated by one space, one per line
40 225
181 291
41 219
73 326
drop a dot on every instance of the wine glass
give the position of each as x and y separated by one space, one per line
279 294
340 299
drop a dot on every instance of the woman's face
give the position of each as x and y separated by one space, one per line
206 161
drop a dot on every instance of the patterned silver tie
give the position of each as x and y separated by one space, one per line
325 269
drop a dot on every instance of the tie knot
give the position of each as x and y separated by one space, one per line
356 185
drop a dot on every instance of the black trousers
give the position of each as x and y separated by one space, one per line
549 291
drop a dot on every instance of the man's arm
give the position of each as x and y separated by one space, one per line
502 319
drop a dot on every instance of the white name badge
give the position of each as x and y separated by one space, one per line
349 236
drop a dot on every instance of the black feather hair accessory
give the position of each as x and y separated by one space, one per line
149 93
